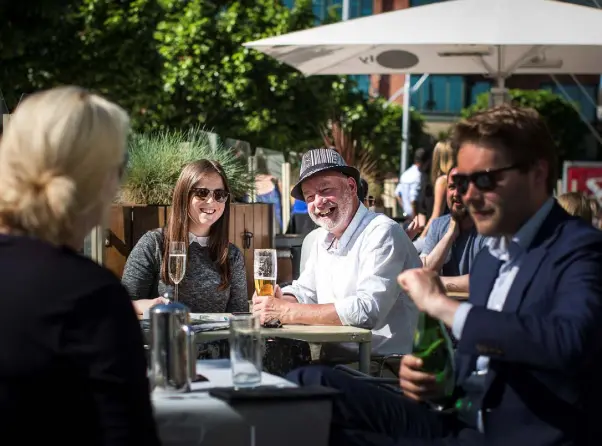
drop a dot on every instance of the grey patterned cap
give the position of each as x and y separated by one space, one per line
319 160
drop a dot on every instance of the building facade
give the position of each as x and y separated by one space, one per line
357 8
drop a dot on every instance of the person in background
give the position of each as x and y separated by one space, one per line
362 192
408 189
441 163
72 362
215 278
426 200
577 205
596 212
453 242
349 278
268 189
425 206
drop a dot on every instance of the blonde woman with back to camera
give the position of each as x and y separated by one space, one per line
69 336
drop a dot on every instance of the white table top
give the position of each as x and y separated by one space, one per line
196 418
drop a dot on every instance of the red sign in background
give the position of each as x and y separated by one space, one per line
582 173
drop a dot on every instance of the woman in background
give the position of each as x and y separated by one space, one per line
596 211
215 279
576 204
68 334
441 163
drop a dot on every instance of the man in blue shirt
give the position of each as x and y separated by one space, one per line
452 242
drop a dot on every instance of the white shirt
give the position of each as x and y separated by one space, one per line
203 241
409 189
307 247
359 276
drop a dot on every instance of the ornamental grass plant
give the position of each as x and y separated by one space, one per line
156 160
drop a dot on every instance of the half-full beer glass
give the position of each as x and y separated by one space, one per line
264 268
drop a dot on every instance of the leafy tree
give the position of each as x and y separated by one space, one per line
563 121
176 64
375 126
106 46
233 90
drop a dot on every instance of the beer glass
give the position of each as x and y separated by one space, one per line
264 268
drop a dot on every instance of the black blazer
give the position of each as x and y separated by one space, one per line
72 365
545 347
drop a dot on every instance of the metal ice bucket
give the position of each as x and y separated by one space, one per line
172 361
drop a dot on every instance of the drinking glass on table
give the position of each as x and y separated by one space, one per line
177 264
245 350
264 268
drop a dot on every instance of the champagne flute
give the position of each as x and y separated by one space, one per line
177 264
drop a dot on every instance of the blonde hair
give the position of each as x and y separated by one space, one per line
443 160
576 204
56 155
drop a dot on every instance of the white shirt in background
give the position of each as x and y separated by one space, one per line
409 188
359 275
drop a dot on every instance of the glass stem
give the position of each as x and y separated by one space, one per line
175 296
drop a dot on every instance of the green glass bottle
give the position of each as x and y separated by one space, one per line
433 345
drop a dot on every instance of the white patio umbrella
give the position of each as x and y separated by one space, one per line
489 37
495 38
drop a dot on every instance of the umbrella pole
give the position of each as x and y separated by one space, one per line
499 94
345 15
405 125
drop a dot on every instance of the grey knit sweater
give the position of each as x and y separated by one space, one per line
198 290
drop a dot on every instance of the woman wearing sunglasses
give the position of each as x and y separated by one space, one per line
215 280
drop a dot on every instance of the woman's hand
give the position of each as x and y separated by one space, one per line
141 305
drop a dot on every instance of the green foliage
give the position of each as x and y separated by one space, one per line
174 64
563 121
105 46
233 90
376 126
157 158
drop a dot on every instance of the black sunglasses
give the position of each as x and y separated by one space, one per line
219 195
485 181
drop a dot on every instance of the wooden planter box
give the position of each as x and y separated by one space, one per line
251 227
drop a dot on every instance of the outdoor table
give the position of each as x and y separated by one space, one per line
197 418
458 295
309 333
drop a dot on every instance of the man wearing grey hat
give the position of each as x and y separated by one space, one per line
350 276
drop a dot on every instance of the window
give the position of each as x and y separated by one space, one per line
581 2
584 104
477 89
423 2
365 8
439 94
319 9
363 83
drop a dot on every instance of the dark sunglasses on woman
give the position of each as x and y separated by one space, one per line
202 193
485 181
